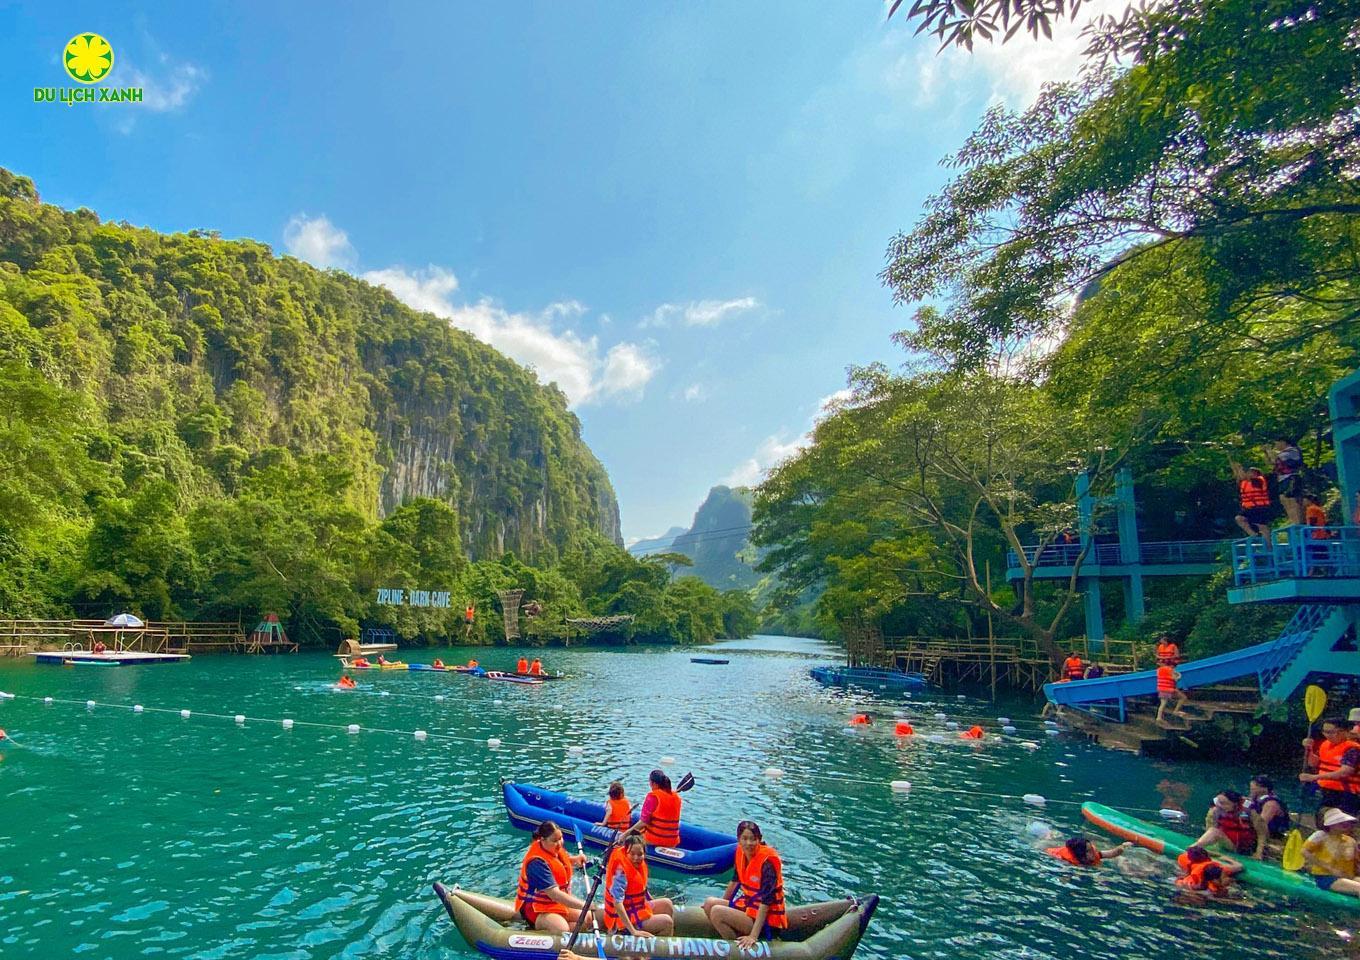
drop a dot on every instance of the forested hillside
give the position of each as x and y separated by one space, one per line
193 426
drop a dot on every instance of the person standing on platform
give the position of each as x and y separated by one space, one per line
1288 467
1253 497
1168 692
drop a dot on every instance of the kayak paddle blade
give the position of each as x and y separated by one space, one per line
1314 702
1293 851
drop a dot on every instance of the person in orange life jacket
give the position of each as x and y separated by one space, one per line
1196 856
1228 821
660 815
438 664
359 662
346 683
522 665
1073 667
1168 651
627 903
1268 813
1209 878
1316 517
618 812
536 668
1080 852
1338 759
542 898
752 907
1253 497
1167 691
472 663
1331 855
469 615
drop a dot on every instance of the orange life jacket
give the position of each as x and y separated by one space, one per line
618 813
359 662
561 867
1166 679
438 664
1074 667
859 720
1316 518
473 664
1168 654
748 879
975 733
904 729
522 666
1329 761
536 667
469 613
1067 856
1194 879
1253 492
634 897
663 827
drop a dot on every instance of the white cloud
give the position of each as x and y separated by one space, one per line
694 393
319 242
169 88
572 361
699 313
832 402
773 450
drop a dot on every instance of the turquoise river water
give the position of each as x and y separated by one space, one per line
150 835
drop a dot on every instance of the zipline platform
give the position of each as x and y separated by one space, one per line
108 657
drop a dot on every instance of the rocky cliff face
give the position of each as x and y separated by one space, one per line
717 540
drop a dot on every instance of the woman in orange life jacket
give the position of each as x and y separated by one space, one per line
660 816
1073 667
438 664
627 905
752 907
618 812
360 662
542 898
1168 692
1229 822
1253 497
1168 651
522 665
536 668
1080 852
1338 759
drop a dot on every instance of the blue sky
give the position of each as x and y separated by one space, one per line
676 211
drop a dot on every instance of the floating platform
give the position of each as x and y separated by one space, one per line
109 658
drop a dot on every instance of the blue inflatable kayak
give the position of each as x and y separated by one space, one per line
700 852
866 677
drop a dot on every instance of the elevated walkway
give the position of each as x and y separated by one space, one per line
1319 639
1168 558
1298 565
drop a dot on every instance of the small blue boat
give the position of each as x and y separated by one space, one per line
701 851
868 677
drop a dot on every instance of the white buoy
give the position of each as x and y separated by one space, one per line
47 699
952 725
6 696
287 723
438 697
576 750
352 728
184 714
385 693
668 761
497 703
962 697
493 742
1034 799
90 704
558 706
1003 720
1008 729
1052 731
1039 830
240 718
900 786
420 734
939 716
907 695
899 713
774 773
1029 745
1169 814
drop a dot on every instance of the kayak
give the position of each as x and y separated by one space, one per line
818 931
541 676
1256 873
513 678
700 851
394 665
89 663
713 660
425 666
865 677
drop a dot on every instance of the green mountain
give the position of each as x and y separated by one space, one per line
659 544
148 381
717 540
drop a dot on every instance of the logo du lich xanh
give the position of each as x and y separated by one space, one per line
88 59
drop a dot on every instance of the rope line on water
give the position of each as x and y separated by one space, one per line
898 786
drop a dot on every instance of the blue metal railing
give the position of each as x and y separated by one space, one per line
1297 552
1165 552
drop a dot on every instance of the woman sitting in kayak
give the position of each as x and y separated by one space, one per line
1331 856
618 812
752 906
1081 852
660 816
438 664
522 665
542 898
536 668
628 905
1229 822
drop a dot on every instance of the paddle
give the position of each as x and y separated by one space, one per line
1292 859
686 783
594 924
1314 702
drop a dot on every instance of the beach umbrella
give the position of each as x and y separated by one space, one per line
125 620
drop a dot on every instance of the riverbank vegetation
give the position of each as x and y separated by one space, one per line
1153 268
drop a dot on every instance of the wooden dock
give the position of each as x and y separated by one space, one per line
176 637
112 658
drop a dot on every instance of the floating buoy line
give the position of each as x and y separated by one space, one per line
493 743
